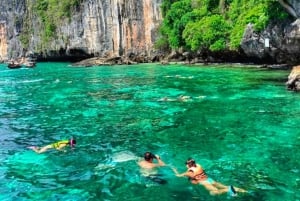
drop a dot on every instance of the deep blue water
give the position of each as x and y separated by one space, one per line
240 124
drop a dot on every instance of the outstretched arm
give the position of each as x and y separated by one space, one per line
177 173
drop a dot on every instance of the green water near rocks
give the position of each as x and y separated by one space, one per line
240 124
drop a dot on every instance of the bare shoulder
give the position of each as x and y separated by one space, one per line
142 163
146 165
199 166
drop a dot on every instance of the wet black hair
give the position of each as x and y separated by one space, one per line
190 161
148 156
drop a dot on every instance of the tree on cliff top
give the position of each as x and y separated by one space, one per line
215 24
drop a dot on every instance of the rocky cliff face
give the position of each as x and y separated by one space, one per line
295 5
3 39
279 42
11 13
97 28
113 28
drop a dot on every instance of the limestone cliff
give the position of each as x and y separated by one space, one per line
3 39
114 28
11 13
96 28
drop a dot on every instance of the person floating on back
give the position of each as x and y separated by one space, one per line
197 175
57 145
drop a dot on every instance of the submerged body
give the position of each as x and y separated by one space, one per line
57 145
197 175
149 169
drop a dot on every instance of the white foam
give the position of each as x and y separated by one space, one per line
30 81
123 156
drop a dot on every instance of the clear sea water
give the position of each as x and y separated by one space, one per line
240 124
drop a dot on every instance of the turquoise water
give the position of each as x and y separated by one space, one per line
240 124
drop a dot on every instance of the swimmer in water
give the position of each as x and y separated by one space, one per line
165 99
184 98
197 175
149 168
147 163
57 145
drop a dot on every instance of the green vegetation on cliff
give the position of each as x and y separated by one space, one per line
52 13
214 24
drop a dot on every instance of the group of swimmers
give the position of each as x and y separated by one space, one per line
195 173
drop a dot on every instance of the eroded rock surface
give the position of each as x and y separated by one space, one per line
293 82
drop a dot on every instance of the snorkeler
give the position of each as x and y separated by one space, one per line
184 98
149 168
197 175
147 163
57 145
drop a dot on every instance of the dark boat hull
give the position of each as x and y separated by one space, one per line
14 66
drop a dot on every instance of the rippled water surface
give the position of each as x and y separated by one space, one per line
240 124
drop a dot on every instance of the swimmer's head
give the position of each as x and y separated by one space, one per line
149 156
72 142
190 162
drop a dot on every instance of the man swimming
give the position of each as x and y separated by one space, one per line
147 163
149 168
57 145
197 175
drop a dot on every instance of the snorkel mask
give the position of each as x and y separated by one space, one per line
72 142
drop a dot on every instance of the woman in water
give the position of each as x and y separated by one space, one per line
57 145
197 175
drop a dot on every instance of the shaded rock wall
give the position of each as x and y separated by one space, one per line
295 4
279 43
283 37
